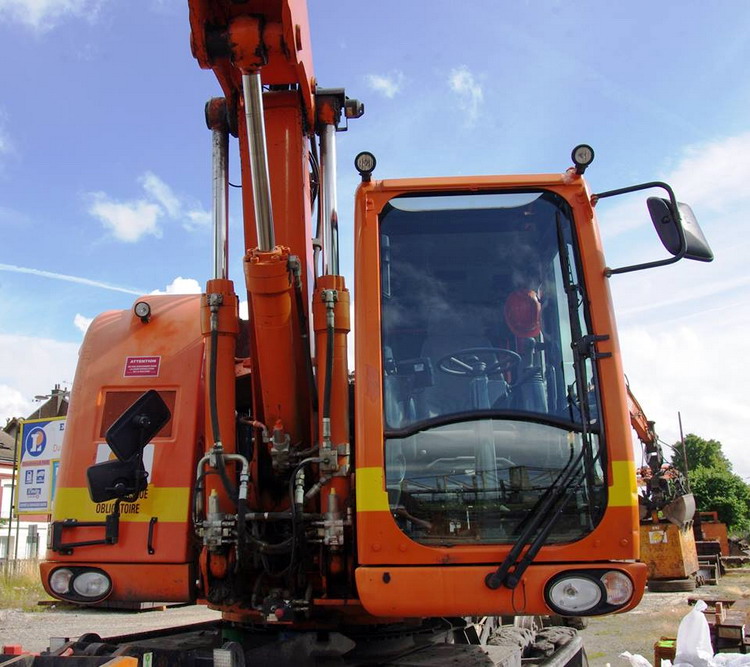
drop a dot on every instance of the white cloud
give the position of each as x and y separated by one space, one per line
68 278
386 84
181 285
132 220
196 219
713 176
679 369
161 192
128 221
469 91
31 366
184 209
13 404
44 15
5 144
82 322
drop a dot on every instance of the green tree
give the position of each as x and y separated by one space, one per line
715 487
722 492
700 454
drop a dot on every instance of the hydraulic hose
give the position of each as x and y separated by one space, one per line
304 333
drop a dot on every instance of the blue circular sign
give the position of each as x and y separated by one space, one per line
35 441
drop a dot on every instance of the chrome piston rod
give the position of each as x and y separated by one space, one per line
328 205
252 92
220 212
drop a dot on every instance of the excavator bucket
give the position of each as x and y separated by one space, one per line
681 510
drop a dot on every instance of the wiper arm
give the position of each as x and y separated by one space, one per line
543 517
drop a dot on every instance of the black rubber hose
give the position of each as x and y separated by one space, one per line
306 344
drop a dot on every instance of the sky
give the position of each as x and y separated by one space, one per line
105 169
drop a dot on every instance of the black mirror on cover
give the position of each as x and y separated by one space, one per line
116 479
136 426
668 227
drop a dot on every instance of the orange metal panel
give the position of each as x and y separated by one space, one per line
172 335
449 591
718 532
140 583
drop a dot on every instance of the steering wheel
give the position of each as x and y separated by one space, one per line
478 361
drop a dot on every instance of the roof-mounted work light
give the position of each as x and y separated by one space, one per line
143 311
365 164
583 156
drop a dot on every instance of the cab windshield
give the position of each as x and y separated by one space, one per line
486 402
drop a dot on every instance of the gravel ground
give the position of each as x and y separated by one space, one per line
658 615
32 630
605 638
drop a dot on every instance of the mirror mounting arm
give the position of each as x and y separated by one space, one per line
675 208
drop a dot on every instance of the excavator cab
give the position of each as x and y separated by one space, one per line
492 447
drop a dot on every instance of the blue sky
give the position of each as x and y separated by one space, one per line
105 161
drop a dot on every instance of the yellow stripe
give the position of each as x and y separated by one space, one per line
371 494
623 492
168 504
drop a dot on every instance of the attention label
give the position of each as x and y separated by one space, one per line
142 366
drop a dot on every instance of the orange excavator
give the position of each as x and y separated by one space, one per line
475 464
666 511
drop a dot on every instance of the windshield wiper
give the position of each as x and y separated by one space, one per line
542 517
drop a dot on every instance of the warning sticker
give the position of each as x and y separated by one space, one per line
657 537
142 366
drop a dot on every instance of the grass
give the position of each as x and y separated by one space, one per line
21 586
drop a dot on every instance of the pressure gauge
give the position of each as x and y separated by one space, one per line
583 156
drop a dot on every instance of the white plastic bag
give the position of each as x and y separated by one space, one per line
694 639
731 660
636 660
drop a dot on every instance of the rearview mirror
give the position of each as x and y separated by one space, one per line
675 224
668 229
116 479
136 426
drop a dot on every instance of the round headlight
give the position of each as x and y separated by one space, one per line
91 584
619 587
59 580
570 595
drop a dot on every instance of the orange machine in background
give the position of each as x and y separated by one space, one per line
666 512
475 463
711 529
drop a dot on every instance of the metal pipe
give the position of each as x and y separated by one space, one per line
13 501
684 453
252 92
327 202
220 213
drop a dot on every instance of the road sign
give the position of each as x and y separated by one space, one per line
41 447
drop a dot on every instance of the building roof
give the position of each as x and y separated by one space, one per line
55 405
7 446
